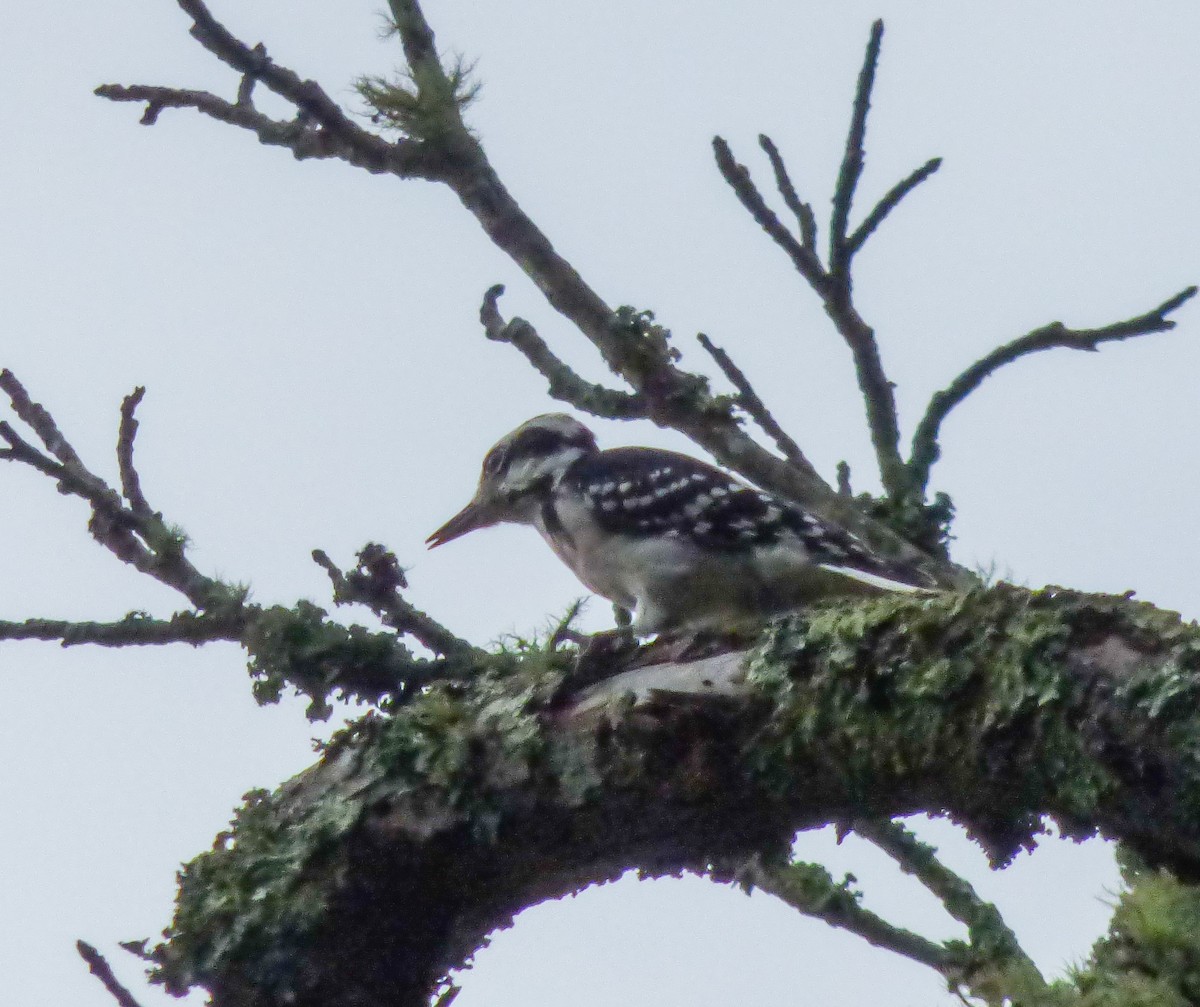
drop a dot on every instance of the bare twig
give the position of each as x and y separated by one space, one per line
99 967
805 219
803 257
925 448
245 91
852 163
749 400
376 582
135 630
131 485
888 203
135 535
843 480
564 384
320 129
38 419
833 285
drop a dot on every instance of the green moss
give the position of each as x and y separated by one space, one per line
966 701
456 758
975 687
1151 954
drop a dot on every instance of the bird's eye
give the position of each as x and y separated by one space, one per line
494 461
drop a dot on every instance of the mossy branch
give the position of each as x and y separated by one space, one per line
298 647
810 889
421 832
993 949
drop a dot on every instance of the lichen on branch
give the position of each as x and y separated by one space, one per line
999 707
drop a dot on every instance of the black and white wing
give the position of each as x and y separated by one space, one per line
642 492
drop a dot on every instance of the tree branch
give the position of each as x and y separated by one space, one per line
136 630
99 967
563 383
833 285
674 398
423 831
887 204
131 485
320 129
810 889
754 406
376 582
925 447
852 164
992 942
133 533
805 219
803 255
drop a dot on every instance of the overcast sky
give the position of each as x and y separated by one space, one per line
316 378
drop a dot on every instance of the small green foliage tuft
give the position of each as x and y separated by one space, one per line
1151 954
424 103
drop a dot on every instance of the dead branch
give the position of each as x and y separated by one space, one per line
132 532
925 447
561 381
756 409
992 940
673 397
852 163
375 582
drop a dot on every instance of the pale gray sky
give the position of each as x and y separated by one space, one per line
308 335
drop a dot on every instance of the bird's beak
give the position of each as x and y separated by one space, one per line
472 517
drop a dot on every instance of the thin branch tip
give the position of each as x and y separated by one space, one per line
98 966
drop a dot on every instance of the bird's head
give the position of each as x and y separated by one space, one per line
518 471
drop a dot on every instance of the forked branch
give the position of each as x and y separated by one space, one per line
298 647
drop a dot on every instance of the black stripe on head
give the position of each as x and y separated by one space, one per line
545 441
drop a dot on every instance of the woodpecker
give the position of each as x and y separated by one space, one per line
681 544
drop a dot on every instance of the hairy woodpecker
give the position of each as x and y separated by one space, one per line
676 541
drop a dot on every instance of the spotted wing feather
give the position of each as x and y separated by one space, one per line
642 492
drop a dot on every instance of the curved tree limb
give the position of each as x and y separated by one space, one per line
562 382
420 833
925 449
